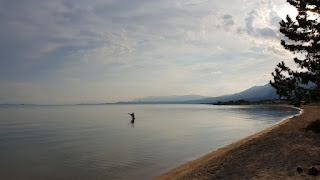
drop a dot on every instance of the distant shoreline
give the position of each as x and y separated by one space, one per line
239 102
273 153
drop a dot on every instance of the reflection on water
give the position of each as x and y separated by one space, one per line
98 142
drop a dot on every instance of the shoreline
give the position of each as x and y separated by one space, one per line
272 153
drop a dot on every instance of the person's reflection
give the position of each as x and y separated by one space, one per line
133 118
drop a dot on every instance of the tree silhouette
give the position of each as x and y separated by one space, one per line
304 38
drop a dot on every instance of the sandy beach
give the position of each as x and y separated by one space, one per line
274 153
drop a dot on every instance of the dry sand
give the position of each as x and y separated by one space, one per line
274 153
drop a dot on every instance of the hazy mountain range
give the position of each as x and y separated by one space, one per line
253 94
169 98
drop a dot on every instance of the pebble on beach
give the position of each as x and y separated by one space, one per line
299 169
313 171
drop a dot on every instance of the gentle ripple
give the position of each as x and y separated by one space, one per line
98 142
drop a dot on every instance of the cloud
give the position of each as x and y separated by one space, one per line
227 22
269 31
275 50
249 22
64 46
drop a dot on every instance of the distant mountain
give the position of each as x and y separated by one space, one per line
253 94
169 98
256 93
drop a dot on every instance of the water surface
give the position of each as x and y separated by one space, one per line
99 142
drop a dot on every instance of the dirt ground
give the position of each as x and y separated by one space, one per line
274 153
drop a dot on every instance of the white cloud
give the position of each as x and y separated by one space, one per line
125 49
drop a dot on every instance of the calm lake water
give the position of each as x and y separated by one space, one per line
99 142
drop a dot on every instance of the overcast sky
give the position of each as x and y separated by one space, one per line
77 51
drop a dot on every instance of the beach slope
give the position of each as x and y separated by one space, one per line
274 153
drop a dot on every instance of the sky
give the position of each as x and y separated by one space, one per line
81 51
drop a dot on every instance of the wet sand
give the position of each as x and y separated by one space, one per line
274 153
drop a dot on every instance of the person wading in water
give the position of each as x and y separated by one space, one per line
133 118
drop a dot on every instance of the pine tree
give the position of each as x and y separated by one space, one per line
304 32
